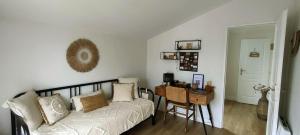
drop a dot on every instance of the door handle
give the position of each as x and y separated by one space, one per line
241 71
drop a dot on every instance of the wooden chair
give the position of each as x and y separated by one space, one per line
179 97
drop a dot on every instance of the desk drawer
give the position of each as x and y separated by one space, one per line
196 98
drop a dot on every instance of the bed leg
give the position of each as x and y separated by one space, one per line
153 119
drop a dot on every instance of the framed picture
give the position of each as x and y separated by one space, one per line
188 45
188 61
198 81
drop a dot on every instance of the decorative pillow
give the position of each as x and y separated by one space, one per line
27 107
135 81
53 108
123 92
77 103
94 102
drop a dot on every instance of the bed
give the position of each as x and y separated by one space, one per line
115 119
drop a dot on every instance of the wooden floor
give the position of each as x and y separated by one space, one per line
240 119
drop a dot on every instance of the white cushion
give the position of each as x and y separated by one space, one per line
76 100
53 108
123 92
135 81
27 107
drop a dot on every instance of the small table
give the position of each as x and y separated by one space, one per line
196 97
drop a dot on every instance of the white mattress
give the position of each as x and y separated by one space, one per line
114 119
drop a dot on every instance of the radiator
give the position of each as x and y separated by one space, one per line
283 128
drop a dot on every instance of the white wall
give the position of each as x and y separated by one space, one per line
298 12
293 99
211 29
293 96
233 57
33 56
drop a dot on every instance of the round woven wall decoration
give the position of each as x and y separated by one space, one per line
83 55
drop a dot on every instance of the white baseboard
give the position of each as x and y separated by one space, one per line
198 117
231 98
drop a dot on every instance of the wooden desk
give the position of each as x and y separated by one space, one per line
198 98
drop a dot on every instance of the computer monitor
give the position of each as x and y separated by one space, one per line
168 77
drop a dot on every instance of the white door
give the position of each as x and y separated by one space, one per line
276 74
254 68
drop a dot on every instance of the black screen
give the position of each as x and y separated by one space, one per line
168 77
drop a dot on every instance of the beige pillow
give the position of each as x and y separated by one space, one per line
53 108
94 102
135 82
123 92
77 103
27 107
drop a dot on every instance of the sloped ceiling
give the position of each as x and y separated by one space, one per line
130 18
253 28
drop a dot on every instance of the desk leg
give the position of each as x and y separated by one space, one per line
203 122
210 116
158 103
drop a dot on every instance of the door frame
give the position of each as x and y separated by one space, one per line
226 62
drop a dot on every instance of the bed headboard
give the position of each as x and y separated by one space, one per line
19 127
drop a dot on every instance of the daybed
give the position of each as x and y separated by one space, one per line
114 119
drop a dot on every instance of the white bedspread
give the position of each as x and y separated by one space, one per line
114 119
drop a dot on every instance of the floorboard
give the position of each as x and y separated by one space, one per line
240 119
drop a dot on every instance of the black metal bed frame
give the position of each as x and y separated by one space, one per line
19 127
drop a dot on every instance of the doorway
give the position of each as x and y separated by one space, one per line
249 60
254 68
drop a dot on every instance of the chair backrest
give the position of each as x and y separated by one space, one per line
177 94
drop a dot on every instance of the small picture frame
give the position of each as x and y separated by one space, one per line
198 81
188 44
